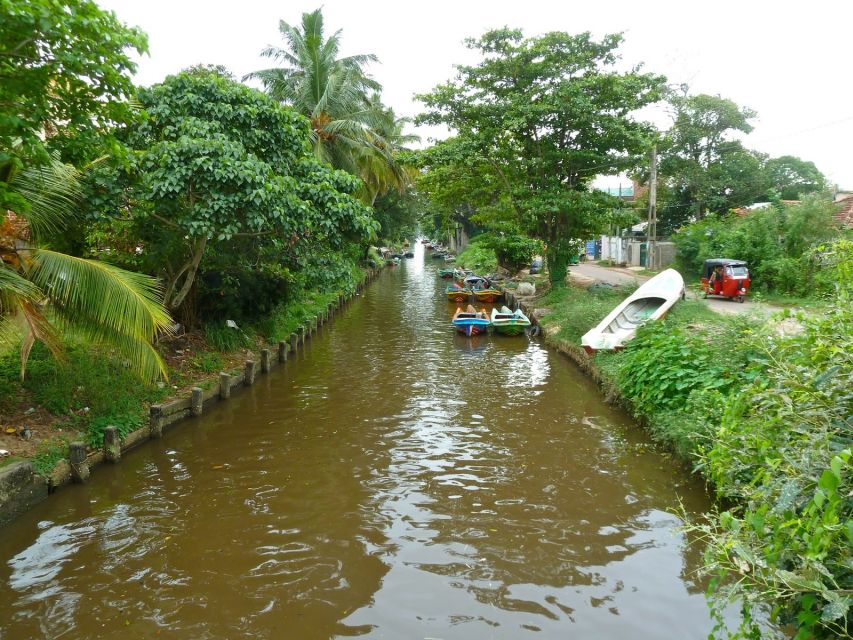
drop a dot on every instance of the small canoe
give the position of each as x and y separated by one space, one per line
438 255
509 322
446 274
487 294
650 302
471 322
409 254
455 293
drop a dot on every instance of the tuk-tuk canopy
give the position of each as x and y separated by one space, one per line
713 263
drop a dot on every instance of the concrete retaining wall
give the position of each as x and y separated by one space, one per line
21 488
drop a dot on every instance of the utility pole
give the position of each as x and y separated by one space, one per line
652 226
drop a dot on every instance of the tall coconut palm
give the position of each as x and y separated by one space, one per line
44 293
331 91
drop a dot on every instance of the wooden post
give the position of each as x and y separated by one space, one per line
652 225
283 348
112 445
197 401
265 360
155 423
77 458
224 385
300 331
250 373
294 342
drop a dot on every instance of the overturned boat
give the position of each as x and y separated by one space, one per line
650 302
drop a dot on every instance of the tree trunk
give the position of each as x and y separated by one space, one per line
558 256
190 270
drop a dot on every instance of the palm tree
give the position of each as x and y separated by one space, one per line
44 293
350 128
378 164
330 91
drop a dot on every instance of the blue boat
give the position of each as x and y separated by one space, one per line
471 322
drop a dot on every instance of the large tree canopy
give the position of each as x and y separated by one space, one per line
63 66
213 161
542 117
791 178
703 166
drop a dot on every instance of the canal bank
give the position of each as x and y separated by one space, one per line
392 480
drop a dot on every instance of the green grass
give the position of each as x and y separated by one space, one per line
47 457
286 318
576 310
89 386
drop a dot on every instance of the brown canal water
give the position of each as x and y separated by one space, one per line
393 480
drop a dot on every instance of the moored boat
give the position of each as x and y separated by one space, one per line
446 274
455 293
509 322
650 302
487 294
471 322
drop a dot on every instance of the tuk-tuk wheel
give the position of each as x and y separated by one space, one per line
740 298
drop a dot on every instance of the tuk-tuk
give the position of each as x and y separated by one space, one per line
726 278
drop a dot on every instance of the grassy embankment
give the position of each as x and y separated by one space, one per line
768 421
76 397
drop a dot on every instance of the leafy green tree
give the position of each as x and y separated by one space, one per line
213 162
791 178
704 167
542 117
64 67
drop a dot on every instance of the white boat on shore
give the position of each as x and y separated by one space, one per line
650 302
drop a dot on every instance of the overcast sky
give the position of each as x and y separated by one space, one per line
789 61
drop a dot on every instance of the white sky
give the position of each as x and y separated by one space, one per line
789 61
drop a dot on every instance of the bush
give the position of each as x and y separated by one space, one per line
478 256
784 451
777 242
514 251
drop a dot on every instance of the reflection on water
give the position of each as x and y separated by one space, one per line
395 480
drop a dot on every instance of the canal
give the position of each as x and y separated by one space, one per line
393 480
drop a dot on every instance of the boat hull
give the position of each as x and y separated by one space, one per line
458 296
648 303
487 295
511 329
470 329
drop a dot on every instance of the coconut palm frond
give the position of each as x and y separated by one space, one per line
37 328
124 301
119 307
137 354
53 191
15 288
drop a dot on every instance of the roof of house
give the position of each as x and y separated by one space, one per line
845 213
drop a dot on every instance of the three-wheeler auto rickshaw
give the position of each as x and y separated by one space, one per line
726 278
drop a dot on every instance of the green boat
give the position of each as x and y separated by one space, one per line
446 274
509 323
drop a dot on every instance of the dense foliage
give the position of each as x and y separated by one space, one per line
216 166
538 119
64 67
781 243
704 167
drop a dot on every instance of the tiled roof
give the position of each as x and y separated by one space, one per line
845 213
